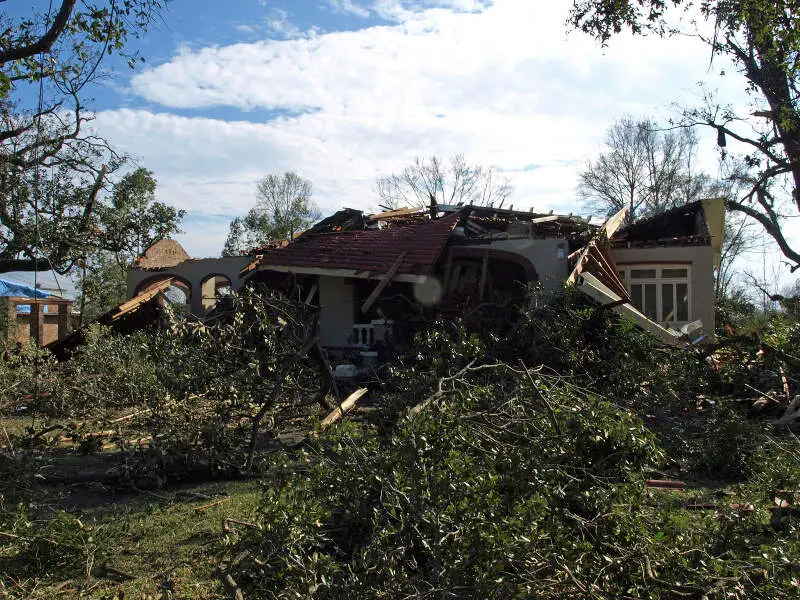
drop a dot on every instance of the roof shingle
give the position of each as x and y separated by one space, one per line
370 250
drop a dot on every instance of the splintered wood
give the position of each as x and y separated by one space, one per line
345 407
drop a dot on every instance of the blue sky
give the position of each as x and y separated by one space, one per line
344 91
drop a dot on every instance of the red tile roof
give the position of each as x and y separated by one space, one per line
371 250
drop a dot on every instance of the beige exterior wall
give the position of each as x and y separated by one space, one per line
701 284
337 310
194 273
547 258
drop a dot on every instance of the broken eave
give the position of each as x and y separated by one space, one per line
594 288
346 273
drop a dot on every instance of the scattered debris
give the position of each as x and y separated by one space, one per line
791 416
664 484
210 505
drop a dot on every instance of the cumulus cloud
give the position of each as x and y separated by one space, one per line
500 82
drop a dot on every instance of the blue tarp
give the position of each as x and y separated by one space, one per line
19 290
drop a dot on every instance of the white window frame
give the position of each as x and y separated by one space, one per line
659 280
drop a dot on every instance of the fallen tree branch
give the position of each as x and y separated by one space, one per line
205 506
226 525
8 441
114 571
544 400
349 403
229 583
46 430
131 416
788 358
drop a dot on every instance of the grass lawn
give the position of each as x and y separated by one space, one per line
141 547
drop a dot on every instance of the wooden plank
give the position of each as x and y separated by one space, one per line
349 403
137 301
573 277
387 277
609 227
400 212
546 219
613 222
310 296
484 269
607 274
404 277
611 267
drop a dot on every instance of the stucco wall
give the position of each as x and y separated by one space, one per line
193 272
542 254
337 310
701 259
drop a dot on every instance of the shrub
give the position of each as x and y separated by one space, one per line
464 498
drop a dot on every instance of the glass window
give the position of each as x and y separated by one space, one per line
636 295
660 293
667 302
650 307
674 273
682 291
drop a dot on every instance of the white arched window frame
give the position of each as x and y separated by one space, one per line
662 292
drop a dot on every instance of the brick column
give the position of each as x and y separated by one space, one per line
11 320
37 321
64 310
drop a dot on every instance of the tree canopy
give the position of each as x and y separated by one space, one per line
52 170
429 182
131 220
762 38
644 168
283 207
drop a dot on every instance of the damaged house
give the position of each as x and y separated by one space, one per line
372 275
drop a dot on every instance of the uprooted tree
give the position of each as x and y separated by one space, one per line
762 38
52 169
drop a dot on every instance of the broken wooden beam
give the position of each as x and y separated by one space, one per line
484 269
664 484
385 280
346 406
311 294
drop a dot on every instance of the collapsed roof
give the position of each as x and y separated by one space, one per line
139 312
369 245
683 225
366 249
409 241
697 223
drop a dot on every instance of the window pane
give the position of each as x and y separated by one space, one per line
621 274
667 302
636 296
643 273
682 291
675 273
650 301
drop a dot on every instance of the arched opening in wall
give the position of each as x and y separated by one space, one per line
178 294
486 287
478 276
215 287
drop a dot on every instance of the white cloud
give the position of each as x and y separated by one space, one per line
349 7
400 10
501 83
